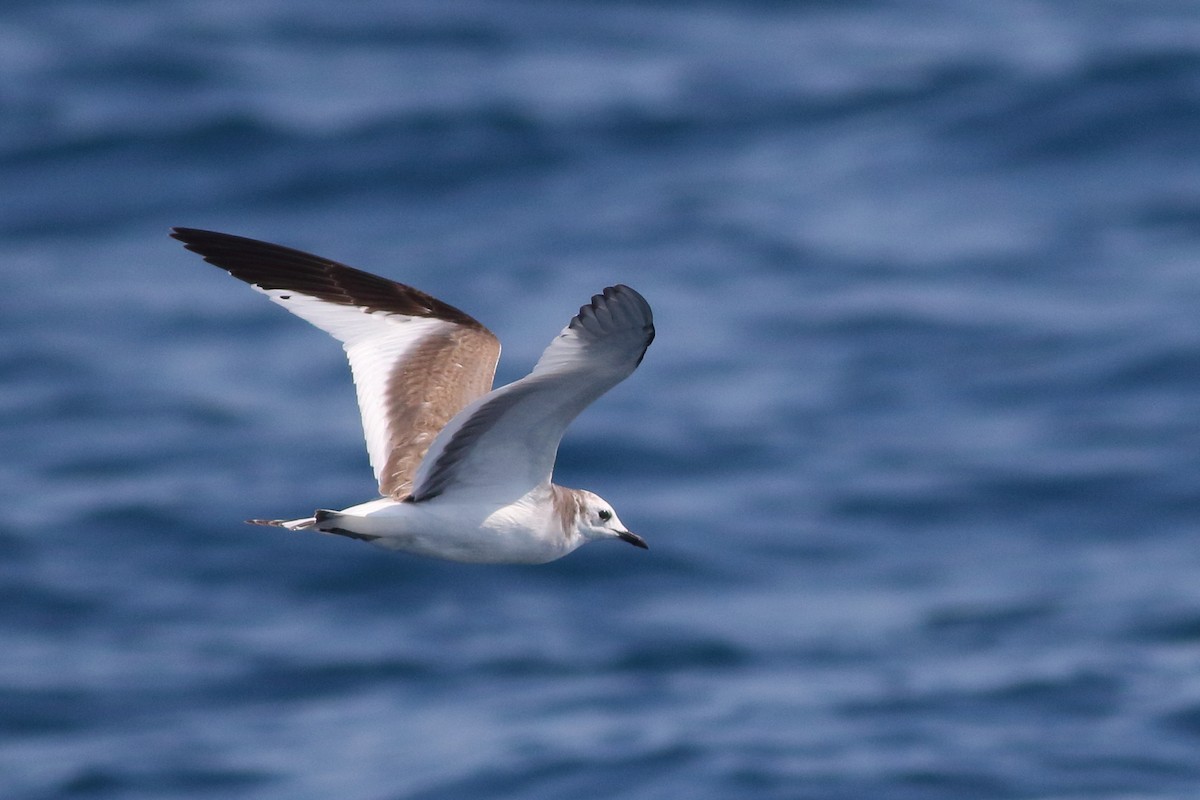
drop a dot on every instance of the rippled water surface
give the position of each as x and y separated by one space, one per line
917 449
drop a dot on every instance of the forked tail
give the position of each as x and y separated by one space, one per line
290 524
323 520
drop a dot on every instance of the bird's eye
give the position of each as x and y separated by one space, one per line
605 515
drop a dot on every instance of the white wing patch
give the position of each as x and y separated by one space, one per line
376 344
346 323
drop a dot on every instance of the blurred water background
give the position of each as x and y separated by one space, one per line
917 450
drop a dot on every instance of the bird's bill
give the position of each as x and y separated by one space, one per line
633 539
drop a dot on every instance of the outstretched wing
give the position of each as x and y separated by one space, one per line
504 444
416 361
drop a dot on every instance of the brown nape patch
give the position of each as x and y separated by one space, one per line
434 381
568 504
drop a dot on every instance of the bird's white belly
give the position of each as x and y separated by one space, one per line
493 534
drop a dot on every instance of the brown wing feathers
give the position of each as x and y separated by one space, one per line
436 377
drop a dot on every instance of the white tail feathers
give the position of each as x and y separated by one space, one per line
323 520
290 524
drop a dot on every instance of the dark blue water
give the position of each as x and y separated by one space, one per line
917 449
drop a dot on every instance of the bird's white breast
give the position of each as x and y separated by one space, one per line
523 532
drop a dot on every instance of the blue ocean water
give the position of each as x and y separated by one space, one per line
917 449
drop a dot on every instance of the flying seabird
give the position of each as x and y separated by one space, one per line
464 470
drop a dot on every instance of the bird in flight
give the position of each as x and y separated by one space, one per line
464 470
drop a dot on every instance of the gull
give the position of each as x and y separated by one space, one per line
464 470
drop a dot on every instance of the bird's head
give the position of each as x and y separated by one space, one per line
597 520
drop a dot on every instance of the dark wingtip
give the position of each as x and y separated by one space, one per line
618 293
273 266
188 235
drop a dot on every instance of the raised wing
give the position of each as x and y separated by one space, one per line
416 361
504 444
